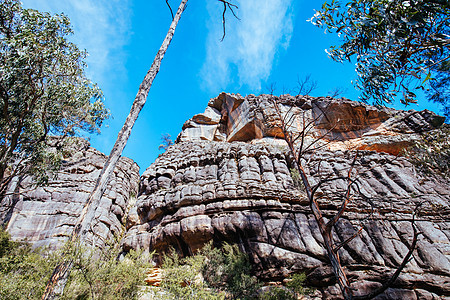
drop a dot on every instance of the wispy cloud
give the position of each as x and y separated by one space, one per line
100 26
250 48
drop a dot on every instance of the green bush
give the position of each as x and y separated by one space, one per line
294 288
100 275
223 273
182 278
24 271
278 293
296 284
229 269
210 274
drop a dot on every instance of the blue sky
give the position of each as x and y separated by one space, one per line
272 43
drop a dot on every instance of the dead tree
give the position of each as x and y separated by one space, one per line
56 283
58 280
166 142
305 85
298 148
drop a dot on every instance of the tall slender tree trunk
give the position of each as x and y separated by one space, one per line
55 285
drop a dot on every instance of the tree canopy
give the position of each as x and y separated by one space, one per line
400 46
44 91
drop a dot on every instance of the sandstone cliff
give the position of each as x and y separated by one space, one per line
228 179
45 216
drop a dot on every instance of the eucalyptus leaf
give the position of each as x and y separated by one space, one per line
406 38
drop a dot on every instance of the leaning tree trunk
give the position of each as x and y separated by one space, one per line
56 283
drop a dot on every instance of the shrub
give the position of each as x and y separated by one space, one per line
229 269
277 293
212 273
296 284
101 275
294 288
183 280
24 271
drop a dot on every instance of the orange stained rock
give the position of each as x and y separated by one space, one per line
154 277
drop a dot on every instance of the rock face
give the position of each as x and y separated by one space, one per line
228 179
344 124
45 216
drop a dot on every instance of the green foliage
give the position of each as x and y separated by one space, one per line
23 270
6 244
211 274
278 293
43 90
399 46
296 284
229 269
431 153
223 273
296 178
293 290
100 275
95 275
183 280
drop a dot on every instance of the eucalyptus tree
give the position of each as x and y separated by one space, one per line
44 91
400 46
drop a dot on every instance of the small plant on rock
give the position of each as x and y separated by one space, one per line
431 152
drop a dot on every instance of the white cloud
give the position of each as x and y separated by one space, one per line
251 45
100 27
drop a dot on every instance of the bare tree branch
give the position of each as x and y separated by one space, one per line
337 92
394 276
306 85
336 248
231 6
326 228
170 8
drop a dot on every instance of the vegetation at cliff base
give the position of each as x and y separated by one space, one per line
221 273
24 271
212 273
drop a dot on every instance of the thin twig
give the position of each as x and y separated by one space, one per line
348 240
394 276
231 6
170 8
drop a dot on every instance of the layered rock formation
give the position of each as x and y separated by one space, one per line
45 216
344 124
228 179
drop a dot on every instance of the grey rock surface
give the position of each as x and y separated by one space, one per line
228 179
242 193
240 189
45 216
